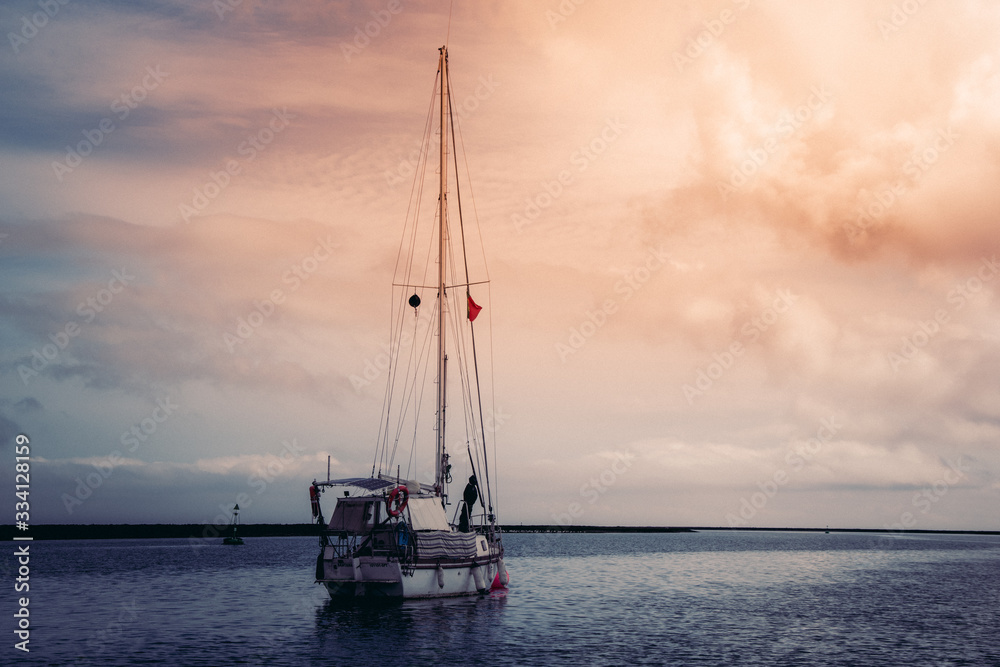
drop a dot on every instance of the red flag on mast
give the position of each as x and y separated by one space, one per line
473 308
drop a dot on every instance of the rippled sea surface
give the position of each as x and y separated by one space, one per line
706 598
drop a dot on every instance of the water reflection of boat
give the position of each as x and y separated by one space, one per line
390 536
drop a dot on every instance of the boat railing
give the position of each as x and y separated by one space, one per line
392 540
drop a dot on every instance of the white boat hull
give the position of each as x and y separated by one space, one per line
376 577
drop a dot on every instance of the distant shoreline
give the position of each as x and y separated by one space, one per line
696 529
198 531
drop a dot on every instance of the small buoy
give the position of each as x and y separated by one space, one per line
414 301
440 573
501 579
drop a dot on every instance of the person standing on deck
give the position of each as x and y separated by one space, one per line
470 496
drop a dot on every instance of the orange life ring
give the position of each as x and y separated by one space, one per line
393 504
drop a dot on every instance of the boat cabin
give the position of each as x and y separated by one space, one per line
361 515
362 525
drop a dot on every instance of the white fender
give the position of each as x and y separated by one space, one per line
477 576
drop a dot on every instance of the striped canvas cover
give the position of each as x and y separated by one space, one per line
441 544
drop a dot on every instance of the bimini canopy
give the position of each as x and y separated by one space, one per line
427 514
366 483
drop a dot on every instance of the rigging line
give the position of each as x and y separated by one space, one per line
431 244
393 371
411 463
448 286
406 387
404 411
419 181
472 195
382 444
405 400
395 335
416 193
408 239
474 461
410 389
378 442
493 395
458 189
468 406
447 35
413 206
461 352
472 328
460 144
423 164
408 392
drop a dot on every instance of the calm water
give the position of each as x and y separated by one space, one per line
710 598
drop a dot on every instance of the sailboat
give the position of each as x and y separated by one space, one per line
392 535
234 539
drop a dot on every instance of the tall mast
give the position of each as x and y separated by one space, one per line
439 469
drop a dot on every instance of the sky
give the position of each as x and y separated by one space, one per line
743 254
